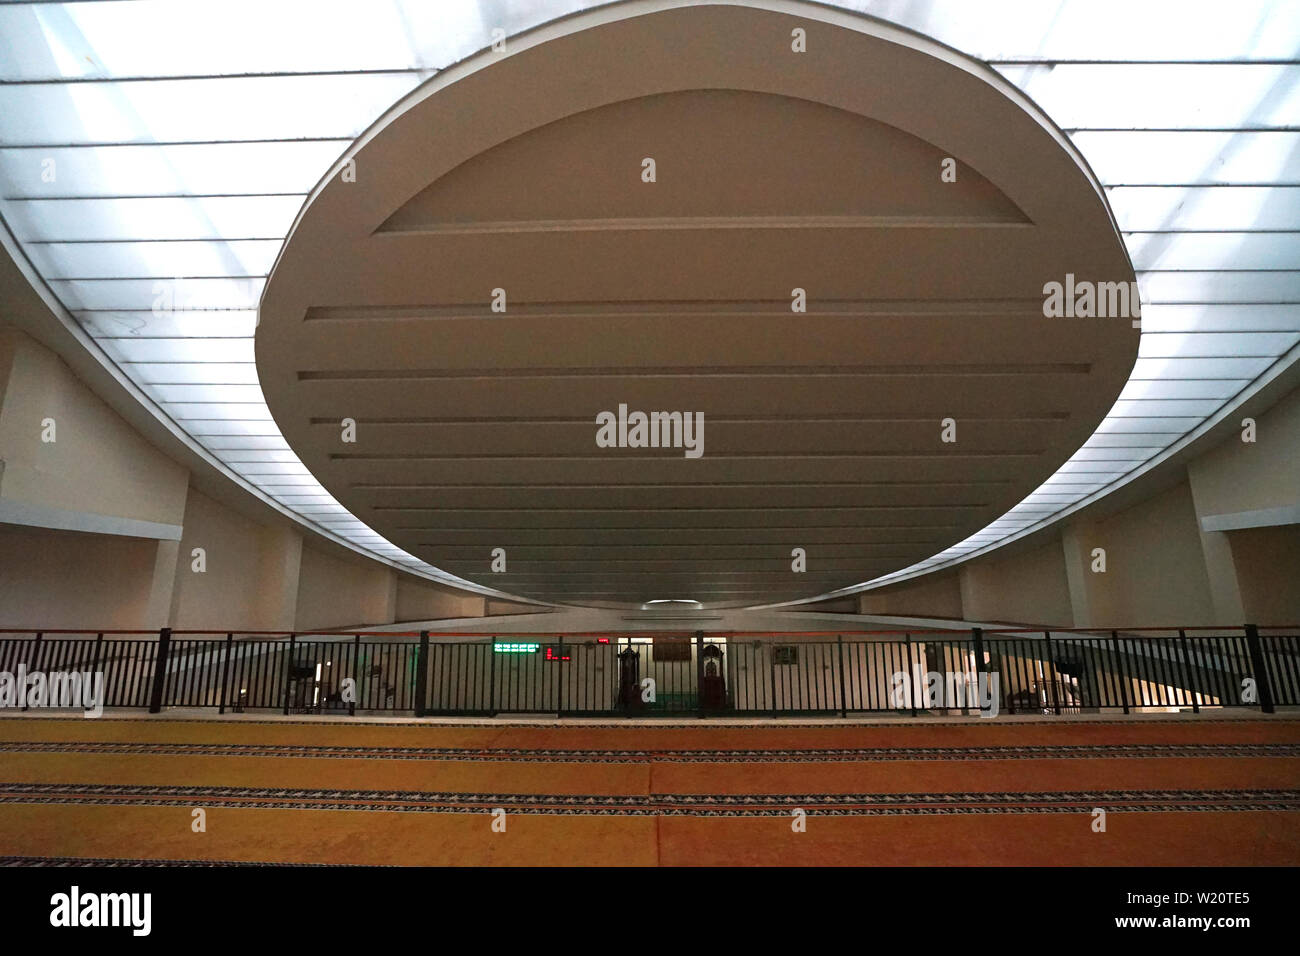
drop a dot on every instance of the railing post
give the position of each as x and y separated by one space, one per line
911 680
559 681
977 638
160 670
492 676
771 656
288 672
1051 663
1187 662
844 696
356 674
99 656
225 672
699 673
1120 677
422 676
1257 664
35 655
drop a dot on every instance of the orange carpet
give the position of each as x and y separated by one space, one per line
1176 791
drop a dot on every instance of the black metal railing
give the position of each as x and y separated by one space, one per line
995 671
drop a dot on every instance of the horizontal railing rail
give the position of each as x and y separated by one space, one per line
1011 670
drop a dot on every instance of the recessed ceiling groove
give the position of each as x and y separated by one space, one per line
704 307
685 223
460 509
854 563
378 486
697 528
586 548
632 454
333 421
1060 368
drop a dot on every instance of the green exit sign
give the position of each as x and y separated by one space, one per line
515 647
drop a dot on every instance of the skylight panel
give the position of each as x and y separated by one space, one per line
1215 250
1207 286
1162 96
1227 344
163 38
1205 208
198 110
187 324
162 260
201 169
1191 158
214 218
1100 29
1252 317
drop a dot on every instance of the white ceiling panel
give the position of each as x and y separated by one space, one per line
201 217
197 110
1207 208
122 323
1192 158
200 169
1239 317
1162 95
153 260
201 296
1255 251
1205 287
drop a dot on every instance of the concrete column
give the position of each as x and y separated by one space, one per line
281 565
967 588
1225 590
1077 541
390 601
163 586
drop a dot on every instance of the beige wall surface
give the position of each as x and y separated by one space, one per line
1029 587
97 464
939 596
234 589
421 602
334 592
509 607
65 579
1248 476
1268 566
1155 572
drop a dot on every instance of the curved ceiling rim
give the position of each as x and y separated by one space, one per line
932 130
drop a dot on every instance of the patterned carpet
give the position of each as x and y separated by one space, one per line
1175 791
